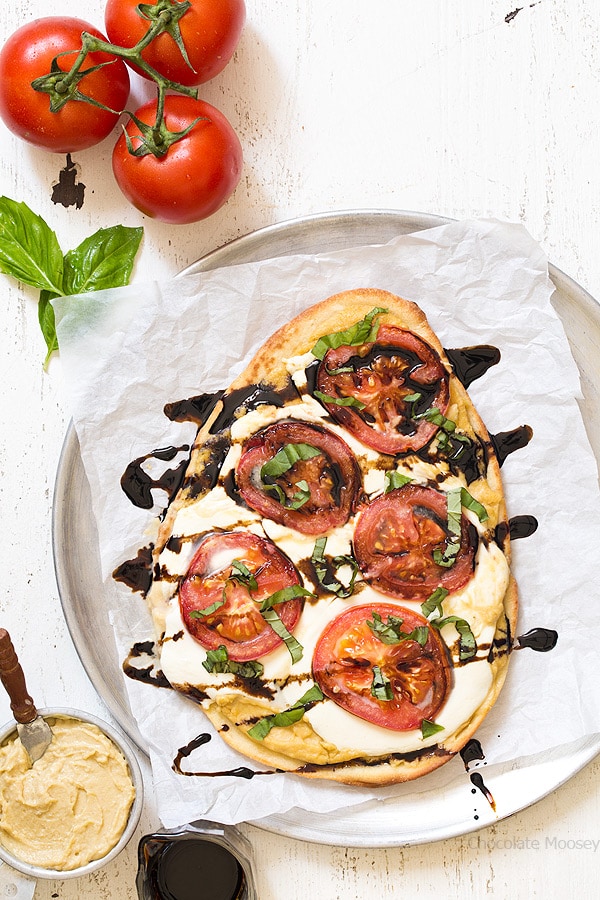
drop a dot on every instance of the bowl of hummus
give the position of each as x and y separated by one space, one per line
75 808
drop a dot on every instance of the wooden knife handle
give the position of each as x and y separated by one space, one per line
13 680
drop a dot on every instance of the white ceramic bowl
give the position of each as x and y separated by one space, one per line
9 731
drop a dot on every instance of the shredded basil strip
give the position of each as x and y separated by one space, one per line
208 610
363 332
428 728
288 716
287 457
291 592
434 602
218 661
390 632
339 401
243 575
381 688
394 480
448 557
467 644
474 505
295 648
301 496
322 570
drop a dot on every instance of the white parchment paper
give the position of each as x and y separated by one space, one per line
127 352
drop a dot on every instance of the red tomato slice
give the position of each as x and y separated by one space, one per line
418 676
327 482
237 624
396 537
382 374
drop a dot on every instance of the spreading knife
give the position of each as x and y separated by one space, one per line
33 730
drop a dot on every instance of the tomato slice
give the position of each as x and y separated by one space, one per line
396 538
418 675
313 494
380 375
237 623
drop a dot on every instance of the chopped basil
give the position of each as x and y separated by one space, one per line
428 728
218 661
243 575
295 648
434 602
467 644
412 398
208 610
381 687
390 632
323 570
301 496
291 592
288 716
394 480
287 457
447 426
474 505
341 370
363 332
339 401
448 557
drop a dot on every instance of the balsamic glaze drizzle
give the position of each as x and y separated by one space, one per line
539 639
470 363
137 484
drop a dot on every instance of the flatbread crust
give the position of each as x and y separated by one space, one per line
297 748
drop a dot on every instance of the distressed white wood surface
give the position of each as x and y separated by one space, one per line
462 109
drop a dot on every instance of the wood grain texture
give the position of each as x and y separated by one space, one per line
462 109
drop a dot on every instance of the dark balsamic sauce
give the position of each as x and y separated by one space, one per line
193 409
147 674
506 442
138 485
199 741
522 527
471 752
539 639
136 573
477 780
186 867
470 363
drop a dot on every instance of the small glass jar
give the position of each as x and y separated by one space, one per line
199 861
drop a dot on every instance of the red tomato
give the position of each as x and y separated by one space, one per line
418 676
326 484
195 176
28 55
396 537
398 364
210 30
238 623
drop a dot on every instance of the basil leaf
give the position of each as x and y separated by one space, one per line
428 728
291 592
363 332
288 716
448 557
325 576
29 249
218 661
295 648
208 610
287 457
390 632
339 401
381 687
47 323
243 575
301 496
394 480
467 647
434 602
104 260
474 505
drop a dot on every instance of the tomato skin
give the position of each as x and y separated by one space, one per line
395 538
210 30
27 55
333 477
397 364
196 175
419 676
238 624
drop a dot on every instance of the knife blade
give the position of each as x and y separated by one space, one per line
33 730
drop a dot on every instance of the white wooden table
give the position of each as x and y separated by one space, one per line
462 109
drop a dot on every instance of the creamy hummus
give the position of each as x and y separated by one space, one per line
71 806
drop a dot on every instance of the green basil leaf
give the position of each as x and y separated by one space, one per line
288 716
390 632
301 496
381 687
339 401
395 480
291 592
474 505
295 648
363 332
324 574
448 557
218 661
29 249
47 324
434 416
287 457
208 610
243 575
434 602
428 728
103 260
467 644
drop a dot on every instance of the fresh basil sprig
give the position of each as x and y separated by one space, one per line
362 332
288 716
218 661
30 252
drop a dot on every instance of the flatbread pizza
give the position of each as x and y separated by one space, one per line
331 583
